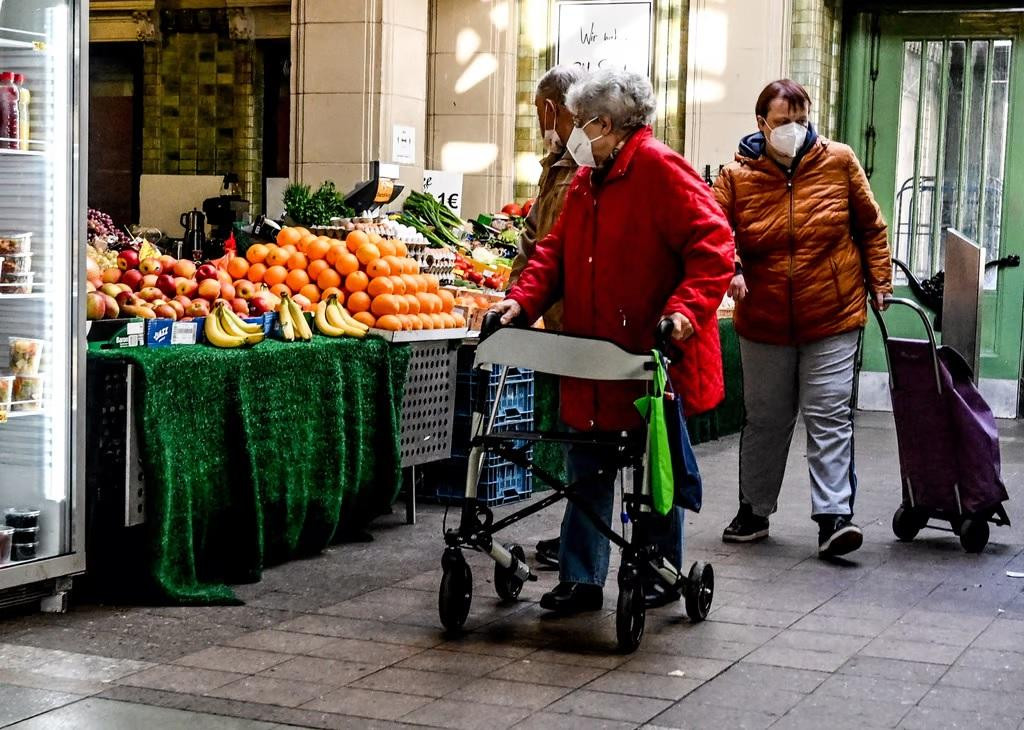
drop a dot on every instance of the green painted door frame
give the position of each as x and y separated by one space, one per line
877 43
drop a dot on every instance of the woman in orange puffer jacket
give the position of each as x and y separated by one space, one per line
811 248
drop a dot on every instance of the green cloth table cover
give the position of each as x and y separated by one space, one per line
258 455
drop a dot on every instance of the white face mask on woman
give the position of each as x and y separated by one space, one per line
581 147
787 139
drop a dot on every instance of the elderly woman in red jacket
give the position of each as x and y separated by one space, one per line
640 239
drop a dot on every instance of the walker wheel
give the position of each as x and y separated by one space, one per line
974 533
456 592
630 616
907 522
700 591
506 583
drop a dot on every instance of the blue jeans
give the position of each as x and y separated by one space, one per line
583 551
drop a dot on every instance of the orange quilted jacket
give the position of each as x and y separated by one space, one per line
812 245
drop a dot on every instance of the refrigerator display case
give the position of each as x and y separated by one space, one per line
42 321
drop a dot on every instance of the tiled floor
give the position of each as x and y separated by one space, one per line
902 635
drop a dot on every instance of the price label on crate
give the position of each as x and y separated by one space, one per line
446 187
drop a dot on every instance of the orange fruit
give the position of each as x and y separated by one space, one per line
297 278
433 284
358 302
387 248
275 275
412 266
297 261
316 268
256 272
403 304
328 279
317 249
355 239
374 238
385 304
277 256
380 285
414 303
289 236
290 249
238 267
378 267
389 322
334 251
447 300
460 321
399 283
438 321
366 318
401 249
413 321
428 323
395 264
357 281
311 292
256 253
367 253
346 263
426 302
449 321
333 291
279 290
412 284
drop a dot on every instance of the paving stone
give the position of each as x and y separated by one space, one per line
474 643
687 714
111 715
978 678
284 642
822 710
756 617
465 715
842 625
453 662
903 631
929 718
557 675
893 669
578 658
227 659
365 652
66 685
608 706
975 700
734 632
412 681
706 648
271 691
854 607
783 656
350 628
645 685
18 703
1002 635
1007 661
19 656
735 693
552 720
873 688
90 667
818 641
794 680
331 672
913 651
368 703
363 609
509 694
190 680
675 665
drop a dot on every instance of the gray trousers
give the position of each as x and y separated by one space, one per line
815 379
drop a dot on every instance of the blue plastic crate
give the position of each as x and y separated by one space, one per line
501 482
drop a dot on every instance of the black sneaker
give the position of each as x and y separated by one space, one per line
547 552
837 535
746 526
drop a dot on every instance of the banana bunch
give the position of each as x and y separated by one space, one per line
292 321
224 328
333 320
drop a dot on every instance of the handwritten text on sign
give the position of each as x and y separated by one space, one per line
605 35
446 187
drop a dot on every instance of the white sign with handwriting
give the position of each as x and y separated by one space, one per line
446 187
605 35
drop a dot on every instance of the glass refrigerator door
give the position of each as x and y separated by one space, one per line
41 321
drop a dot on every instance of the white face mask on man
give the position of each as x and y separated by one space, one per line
552 142
581 147
787 139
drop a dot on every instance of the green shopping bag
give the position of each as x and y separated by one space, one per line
659 453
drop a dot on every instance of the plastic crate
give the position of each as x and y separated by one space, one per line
517 395
501 481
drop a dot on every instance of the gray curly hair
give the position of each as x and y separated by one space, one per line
625 97
558 80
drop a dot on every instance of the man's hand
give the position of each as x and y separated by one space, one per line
738 288
878 300
509 309
682 328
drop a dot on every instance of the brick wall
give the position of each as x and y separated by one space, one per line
815 57
202 109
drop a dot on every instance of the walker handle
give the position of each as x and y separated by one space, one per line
663 336
491 324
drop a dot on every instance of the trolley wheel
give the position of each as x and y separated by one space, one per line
506 583
907 522
700 591
630 616
974 534
456 592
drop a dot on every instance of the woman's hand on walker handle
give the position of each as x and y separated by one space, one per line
738 288
509 310
682 328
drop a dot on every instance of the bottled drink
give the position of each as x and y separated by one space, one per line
9 129
24 125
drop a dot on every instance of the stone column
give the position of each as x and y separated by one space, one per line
359 67
471 109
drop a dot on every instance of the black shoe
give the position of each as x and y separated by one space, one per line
569 598
656 595
837 535
547 552
746 526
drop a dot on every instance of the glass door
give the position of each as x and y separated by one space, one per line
40 274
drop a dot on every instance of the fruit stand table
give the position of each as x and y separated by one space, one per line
259 455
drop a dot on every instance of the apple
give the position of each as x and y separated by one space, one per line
111 309
240 306
111 276
183 300
302 301
206 271
165 311
95 305
227 291
89 286
209 289
128 259
139 311
166 284
245 289
125 297
223 277
167 262
220 302
133 278
91 268
178 307
185 268
198 308
151 265
148 280
263 303
123 287
186 287
96 281
111 290
150 294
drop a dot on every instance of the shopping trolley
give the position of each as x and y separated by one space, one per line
577 357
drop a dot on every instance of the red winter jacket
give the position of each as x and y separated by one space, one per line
648 241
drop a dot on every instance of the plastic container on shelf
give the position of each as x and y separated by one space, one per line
6 392
25 535
24 551
10 131
26 355
6 541
15 263
28 393
14 243
21 517
16 283
24 117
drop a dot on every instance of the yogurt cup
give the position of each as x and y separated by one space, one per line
26 355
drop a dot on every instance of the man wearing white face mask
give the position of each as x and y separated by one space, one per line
811 249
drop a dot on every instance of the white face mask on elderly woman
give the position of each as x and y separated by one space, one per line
581 147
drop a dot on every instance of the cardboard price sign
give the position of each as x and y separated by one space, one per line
446 187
